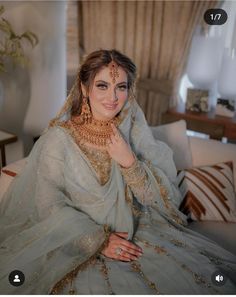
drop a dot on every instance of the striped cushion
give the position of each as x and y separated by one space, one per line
208 193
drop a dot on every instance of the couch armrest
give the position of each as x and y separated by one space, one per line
8 173
210 151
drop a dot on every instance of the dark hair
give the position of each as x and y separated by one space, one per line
93 63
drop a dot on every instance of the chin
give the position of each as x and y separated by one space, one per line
109 117
110 114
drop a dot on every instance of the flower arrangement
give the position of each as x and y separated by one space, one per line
11 44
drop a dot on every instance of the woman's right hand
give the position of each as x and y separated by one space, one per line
118 243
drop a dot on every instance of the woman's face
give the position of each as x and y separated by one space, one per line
107 97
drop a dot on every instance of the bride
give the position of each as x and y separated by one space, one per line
95 210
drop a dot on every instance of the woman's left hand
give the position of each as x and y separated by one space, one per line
119 150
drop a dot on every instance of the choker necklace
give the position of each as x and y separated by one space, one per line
97 132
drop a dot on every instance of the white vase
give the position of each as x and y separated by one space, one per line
227 77
204 61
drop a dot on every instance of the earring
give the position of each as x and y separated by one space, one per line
85 112
131 97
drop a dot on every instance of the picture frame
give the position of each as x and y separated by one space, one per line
197 100
225 107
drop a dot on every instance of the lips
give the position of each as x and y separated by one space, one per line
108 106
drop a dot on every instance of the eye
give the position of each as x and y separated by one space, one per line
102 86
122 88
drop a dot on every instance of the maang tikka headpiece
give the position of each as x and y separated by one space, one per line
113 71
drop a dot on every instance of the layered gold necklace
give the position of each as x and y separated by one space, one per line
97 132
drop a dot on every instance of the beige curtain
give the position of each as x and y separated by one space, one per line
72 37
155 34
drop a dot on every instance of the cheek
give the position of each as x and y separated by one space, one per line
97 96
123 96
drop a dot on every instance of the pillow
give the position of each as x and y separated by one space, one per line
211 151
208 192
175 136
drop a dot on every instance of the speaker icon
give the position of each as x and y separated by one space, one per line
218 278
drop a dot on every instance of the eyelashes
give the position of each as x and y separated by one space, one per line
104 87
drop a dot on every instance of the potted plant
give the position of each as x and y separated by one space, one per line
11 44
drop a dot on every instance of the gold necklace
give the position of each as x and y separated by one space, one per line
97 132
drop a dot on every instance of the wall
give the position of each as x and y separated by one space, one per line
32 96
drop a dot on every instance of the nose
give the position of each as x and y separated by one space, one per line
113 96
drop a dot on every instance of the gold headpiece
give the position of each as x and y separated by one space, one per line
113 71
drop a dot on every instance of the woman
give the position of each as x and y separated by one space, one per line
95 209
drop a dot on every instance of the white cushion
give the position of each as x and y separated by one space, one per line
174 135
210 152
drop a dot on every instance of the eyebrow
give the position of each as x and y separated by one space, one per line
103 81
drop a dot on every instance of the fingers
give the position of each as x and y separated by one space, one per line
127 249
127 256
116 132
134 251
121 249
114 129
122 234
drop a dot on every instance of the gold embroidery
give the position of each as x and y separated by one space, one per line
177 243
157 248
136 177
104 271
214 259
199 279
165 196
134 174
129 198
99 159
68 278
137 267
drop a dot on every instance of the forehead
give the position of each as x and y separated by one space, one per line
104 74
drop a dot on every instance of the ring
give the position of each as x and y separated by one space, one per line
118 250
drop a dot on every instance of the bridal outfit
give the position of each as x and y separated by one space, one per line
56 217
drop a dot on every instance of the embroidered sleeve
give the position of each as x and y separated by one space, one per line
145 191
136 177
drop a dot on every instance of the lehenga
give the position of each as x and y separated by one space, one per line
58 247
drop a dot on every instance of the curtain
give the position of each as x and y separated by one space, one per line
155 34
72 37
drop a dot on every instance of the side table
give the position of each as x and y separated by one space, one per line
209 123
5 138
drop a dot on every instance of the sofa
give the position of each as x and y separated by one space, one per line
188 152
